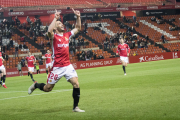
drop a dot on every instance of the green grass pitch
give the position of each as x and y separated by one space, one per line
150 91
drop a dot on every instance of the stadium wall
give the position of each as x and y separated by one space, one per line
11 72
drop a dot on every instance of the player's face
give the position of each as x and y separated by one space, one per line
59 26
121 41
29 53
48 51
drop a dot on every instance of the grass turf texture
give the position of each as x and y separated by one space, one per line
150 91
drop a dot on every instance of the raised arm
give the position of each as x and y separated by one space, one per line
51 27
78 21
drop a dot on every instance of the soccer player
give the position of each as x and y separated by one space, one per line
30 61
3 70
123 50
61 65
48 61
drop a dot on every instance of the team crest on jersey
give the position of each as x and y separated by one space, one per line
59 40
66 39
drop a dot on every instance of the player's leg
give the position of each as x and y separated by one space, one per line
47 68
72 77
53 78
4 77
21 73
124 64
31 70
1 77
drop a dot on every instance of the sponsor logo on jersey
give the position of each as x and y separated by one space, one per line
66 38
63 45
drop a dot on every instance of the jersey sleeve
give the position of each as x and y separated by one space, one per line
117 49
70 34
45 55
34 58
128 48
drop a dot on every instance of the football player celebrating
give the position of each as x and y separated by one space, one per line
61 65
30 61
123 50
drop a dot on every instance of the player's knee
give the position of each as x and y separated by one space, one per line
48 89
76 85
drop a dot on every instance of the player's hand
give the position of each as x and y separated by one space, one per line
57 14
76 12
128 54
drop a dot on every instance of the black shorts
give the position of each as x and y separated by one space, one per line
19 70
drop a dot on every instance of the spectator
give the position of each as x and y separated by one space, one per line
136 24
24 46
11 43
7 57
134 54
139 43
19 68
145 44
23 62
153 19
67 25
71 50
28 20
147 37
95 54
162 37
4 48
101 56
124 19
17 21
134 18
85 27
16 50
34 39
20 46
48 44
3 55
23 39
142 44
37 68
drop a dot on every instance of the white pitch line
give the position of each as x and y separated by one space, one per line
13 91
23 91
35 94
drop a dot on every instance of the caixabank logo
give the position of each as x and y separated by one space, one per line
149 58
175 55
